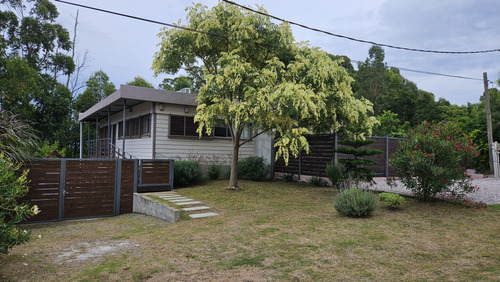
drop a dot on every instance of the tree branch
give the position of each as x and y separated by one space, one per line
253 137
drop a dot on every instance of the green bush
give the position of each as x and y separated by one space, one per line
187 173
355 202
317 181
433 160
391 200
47 148
337 175
13 186
214 171
287 177
253 168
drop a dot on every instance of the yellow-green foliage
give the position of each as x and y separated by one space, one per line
258 77
391 200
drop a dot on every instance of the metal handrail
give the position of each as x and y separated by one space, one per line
110 149
119 151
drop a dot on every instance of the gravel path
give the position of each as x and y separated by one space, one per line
489 189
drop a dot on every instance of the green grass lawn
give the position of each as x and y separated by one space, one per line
269 231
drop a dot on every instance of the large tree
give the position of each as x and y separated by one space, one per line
33 59
372 79
98 88
258 78
141 82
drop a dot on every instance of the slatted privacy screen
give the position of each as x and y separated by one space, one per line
156 175
321 154
83 188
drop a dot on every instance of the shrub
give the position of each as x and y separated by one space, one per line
317 181
434 159
355 166
187 173
214 171
14 185
253 168
391 200
337 175
287 177
355 202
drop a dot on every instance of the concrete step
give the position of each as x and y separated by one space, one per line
202 215
199 208
181 200
188 203
170 197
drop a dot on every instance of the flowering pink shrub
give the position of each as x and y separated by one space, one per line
433 160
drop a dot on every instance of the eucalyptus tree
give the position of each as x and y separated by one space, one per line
371 78
33 57
257 77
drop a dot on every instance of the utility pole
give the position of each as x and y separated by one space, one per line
488 119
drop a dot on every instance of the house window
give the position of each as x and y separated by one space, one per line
146 125
183 126
135 127
222 131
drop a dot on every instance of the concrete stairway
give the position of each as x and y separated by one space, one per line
196 209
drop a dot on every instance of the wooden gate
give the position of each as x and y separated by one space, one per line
83 188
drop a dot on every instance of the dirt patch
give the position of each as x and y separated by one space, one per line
91 251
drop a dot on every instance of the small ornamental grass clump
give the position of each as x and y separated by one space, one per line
317 181
391 200
433 160
287 177
355 202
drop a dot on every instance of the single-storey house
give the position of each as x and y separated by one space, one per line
146 123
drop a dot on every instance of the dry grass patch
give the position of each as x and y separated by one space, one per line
270 231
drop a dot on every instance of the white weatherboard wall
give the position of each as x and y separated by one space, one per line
192 147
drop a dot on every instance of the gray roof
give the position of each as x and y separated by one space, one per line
134 95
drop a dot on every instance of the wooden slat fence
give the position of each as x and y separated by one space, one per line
156 175
83 188
321 154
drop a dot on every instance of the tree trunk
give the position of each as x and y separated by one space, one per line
233 180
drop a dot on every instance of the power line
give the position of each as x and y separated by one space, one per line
360 40
140 19
427 72
219 35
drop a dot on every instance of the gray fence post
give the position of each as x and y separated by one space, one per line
335 146
62 188
136 174
387 155
171 175
118 185
300 164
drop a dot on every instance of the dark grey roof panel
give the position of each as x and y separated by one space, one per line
134 95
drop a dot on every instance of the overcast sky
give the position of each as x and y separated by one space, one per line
124 48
